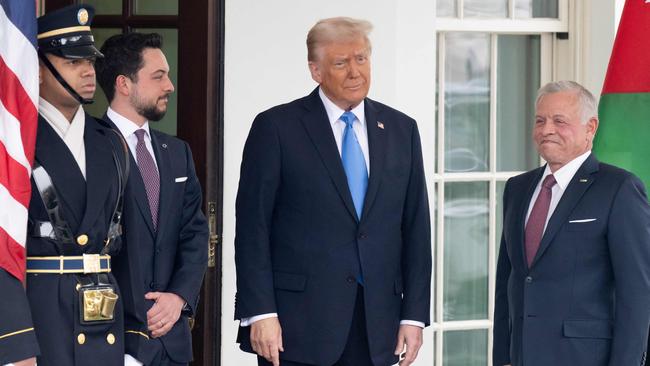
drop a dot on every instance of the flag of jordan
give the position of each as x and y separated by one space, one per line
623 137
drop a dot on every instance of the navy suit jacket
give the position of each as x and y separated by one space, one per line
299 243
171 259
585 300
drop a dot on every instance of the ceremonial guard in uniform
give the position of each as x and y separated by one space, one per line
78 182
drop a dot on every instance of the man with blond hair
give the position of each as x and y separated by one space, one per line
333 241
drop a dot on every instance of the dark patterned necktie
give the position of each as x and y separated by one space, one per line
537 218
149 174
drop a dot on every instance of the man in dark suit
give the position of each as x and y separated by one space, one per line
333 242
573 275
74 210
166 232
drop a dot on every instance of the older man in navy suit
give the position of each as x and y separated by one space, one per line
573 277
333 242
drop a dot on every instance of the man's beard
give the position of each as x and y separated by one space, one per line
148 111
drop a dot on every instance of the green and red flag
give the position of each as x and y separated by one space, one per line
623 137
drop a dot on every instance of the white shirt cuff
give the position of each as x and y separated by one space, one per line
245 322
130 361
412 322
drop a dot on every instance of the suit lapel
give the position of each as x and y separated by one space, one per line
320 132
165 174
100 173
137 188
136 185
55 157
523 211
579 184
377 152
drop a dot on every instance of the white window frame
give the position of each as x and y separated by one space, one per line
546 29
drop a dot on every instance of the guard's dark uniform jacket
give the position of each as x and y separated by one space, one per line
87 206
17 337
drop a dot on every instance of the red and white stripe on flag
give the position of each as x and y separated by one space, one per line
18 120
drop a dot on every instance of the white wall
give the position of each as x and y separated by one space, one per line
585 55
266 64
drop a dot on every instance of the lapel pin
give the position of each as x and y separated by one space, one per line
380 125
164 146
583 180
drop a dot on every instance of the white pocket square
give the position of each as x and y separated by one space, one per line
180 179
581 221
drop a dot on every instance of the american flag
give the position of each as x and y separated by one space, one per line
18 120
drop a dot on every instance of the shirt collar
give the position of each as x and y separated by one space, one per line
564 175
334 112
125 125
56 119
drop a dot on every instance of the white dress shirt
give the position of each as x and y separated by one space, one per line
72 133
127 129
338 127
563 177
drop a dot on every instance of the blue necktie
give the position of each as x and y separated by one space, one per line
354 163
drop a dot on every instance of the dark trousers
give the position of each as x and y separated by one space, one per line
162 358
356 352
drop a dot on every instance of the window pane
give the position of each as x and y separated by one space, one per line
466 251
536 9
486 8
465 348
170 48
467 102
518 73
446 8
156 7
103 7
98 108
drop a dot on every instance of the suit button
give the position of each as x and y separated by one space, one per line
529 279
350 279
152 285
82 239
81 338
363 236
110 338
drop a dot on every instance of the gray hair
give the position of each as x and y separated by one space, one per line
336 30
588 105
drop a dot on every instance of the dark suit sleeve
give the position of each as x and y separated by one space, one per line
192 252
17 338
416 236
258 186
629 247
501 332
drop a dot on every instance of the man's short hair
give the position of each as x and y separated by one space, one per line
123 56
588 104
339 29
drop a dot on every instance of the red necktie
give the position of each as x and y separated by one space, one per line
537 218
